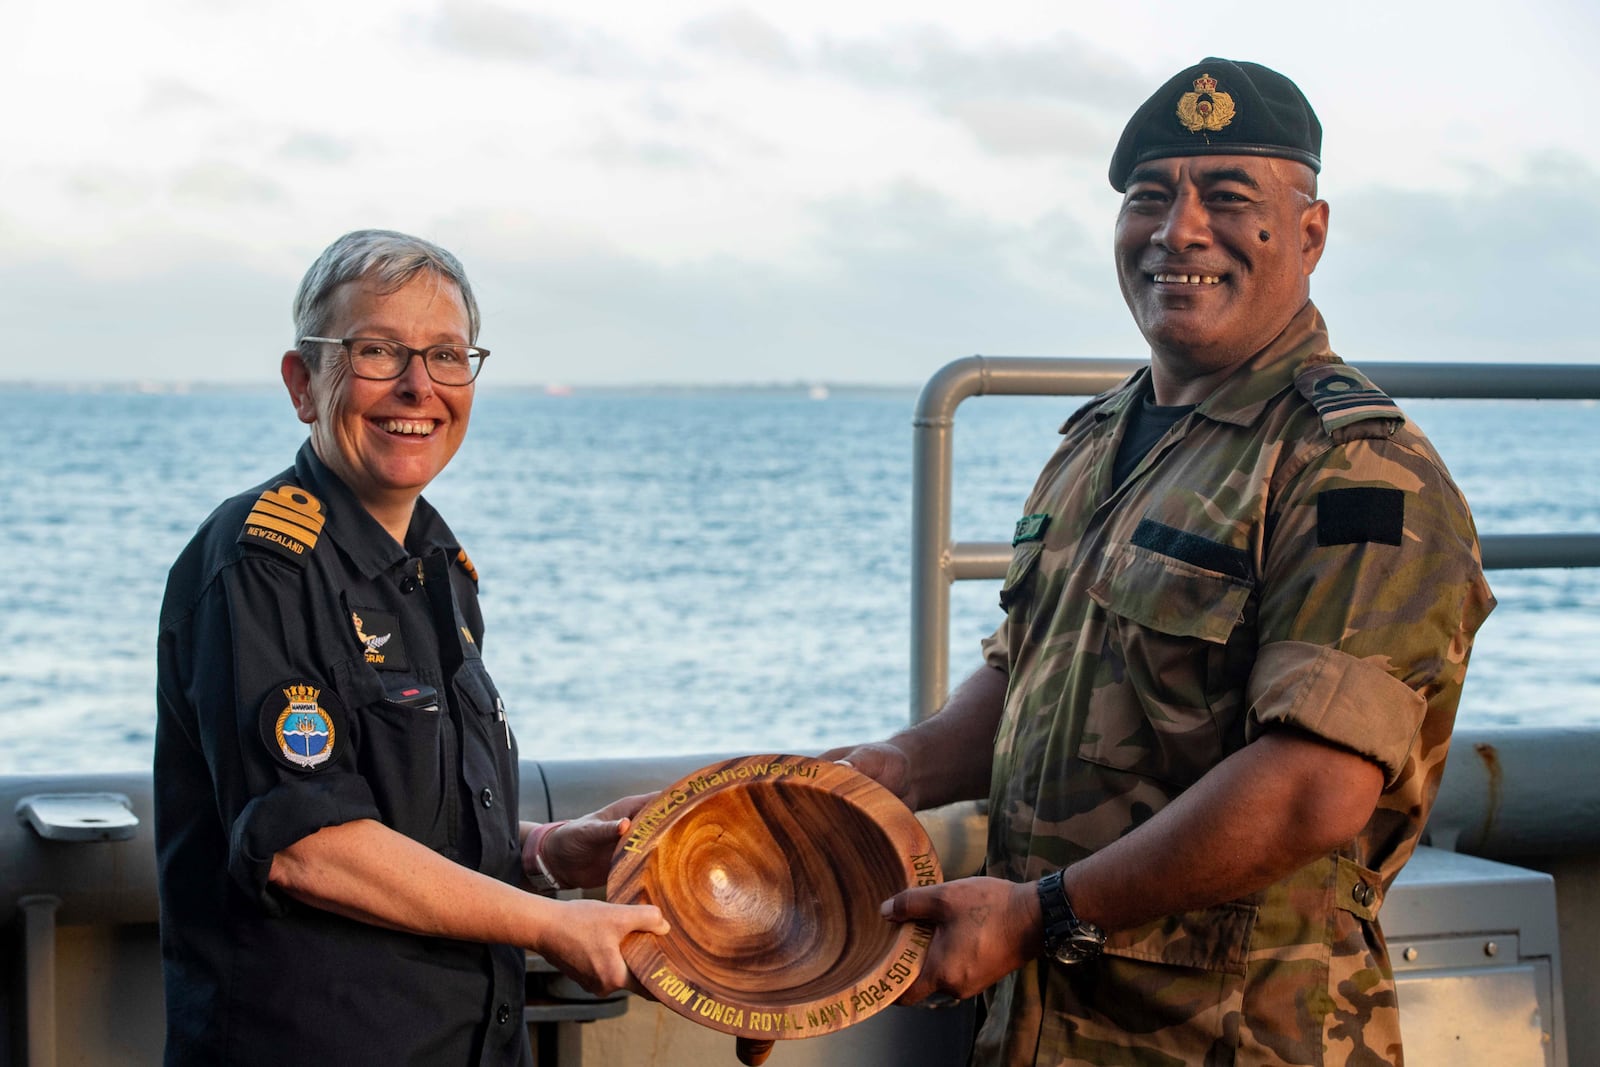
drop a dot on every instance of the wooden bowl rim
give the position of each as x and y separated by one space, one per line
857 997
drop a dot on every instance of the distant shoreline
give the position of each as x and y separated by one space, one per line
813 390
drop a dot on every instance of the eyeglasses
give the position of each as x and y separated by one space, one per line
382 360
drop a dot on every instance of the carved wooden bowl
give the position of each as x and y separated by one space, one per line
772 870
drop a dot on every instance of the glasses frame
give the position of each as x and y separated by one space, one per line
411 353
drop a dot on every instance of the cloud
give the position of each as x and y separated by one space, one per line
1029 127
897 283
225 184
902 282
495 32
613 149
743 35
1501 272
485 30
308 147
1062 67
203 318
893 284
166 96
108 187
1061 95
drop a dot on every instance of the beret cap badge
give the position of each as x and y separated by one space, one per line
1205 109
1220 107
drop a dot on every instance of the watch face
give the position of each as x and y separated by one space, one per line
1079 945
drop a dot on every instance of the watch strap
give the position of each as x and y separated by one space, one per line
1067 938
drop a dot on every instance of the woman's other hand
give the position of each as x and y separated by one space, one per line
585 941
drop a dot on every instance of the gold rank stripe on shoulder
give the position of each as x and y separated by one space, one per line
1343 395
288 517
466 565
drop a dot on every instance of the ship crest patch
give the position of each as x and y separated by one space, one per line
300 724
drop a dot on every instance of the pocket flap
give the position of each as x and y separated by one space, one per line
1212 939
1023 562
1170 596
1359 890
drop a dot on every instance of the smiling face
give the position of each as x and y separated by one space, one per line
1207 290
386 440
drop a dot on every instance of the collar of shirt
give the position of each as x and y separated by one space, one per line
354 529
1244 394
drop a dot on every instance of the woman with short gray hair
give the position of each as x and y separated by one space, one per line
343 875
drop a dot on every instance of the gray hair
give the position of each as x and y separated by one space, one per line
389 258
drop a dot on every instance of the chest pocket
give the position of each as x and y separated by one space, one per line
406 752
1171 596
1171 691
1024 561
490 749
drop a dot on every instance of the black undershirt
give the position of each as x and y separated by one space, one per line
1147 423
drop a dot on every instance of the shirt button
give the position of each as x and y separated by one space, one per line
408 584
487 796
502 1014
1363 893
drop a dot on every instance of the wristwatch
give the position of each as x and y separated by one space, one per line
1067 938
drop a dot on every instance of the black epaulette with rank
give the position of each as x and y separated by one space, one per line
286 519
1343 395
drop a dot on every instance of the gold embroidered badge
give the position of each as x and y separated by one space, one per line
370 643
288 517
1205 108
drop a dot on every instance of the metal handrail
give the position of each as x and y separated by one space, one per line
937 560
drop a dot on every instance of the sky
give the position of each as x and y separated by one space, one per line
828 191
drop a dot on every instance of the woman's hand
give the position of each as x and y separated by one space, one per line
585 941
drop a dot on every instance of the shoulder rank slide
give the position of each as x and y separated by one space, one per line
1343 395
465 561
286 519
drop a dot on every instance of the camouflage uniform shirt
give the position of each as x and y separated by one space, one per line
1291 552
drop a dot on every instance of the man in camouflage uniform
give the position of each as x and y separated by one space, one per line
1238 618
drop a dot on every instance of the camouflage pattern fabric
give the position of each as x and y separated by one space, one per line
1291 552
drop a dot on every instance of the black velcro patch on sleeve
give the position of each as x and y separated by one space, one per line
1191 548
1363 515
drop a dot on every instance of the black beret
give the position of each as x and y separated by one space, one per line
1220 107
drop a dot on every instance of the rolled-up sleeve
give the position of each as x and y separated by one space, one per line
249 634
1372 590
278 818
1354 703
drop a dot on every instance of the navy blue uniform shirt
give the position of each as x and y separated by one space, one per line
312 672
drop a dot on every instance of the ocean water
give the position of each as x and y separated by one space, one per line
668 573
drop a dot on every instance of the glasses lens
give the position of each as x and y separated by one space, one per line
371 358
453 364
